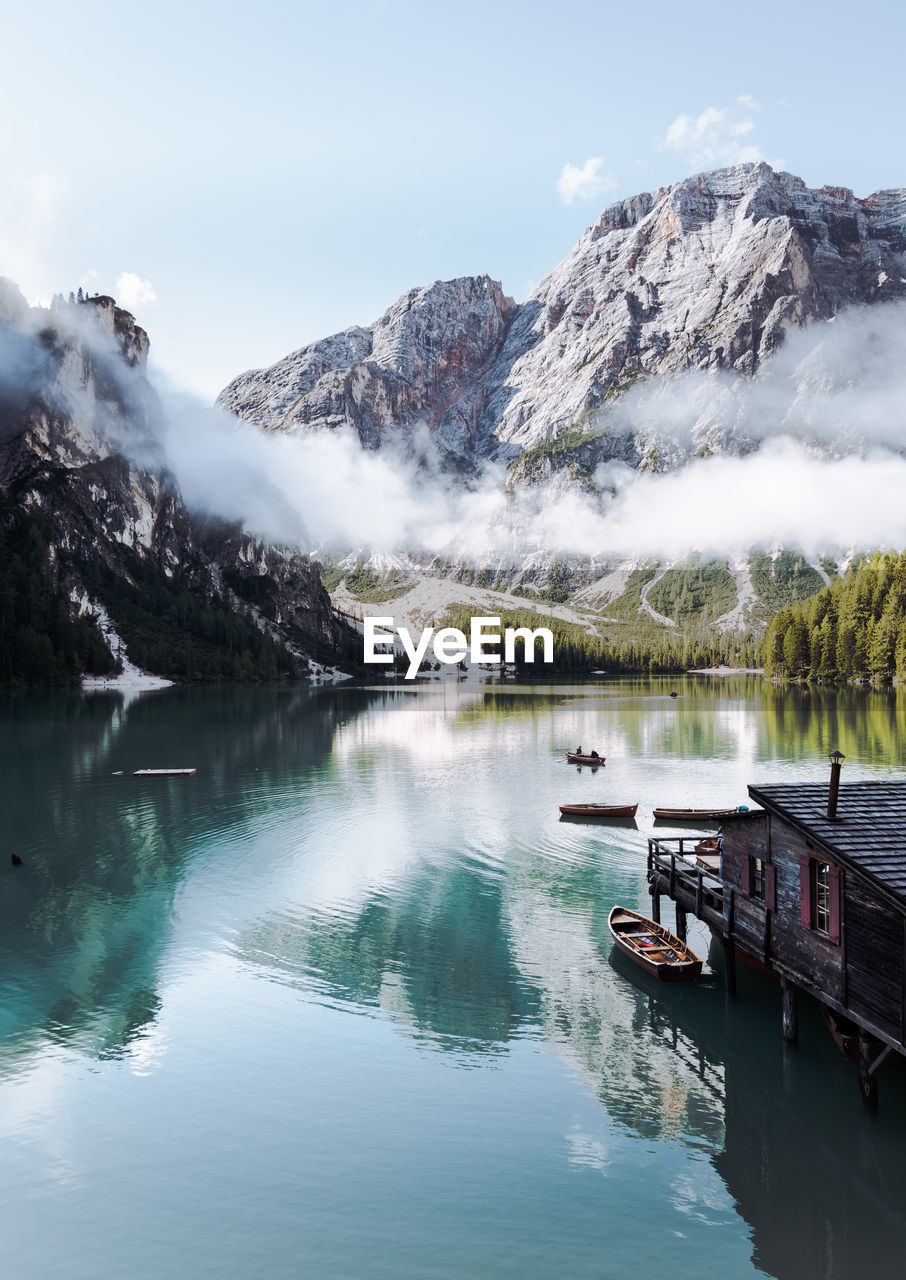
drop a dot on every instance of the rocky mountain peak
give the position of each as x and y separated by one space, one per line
445 330
708 273
80 452
427 350
120 325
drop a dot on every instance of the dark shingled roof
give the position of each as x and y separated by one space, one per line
869 830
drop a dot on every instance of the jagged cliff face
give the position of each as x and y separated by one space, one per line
78 442
411 368
710 273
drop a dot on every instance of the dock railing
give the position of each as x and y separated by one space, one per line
674 871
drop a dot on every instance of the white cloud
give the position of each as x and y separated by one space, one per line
716 137
746 100
816 459
584 183
132 292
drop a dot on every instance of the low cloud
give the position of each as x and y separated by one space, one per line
811 453
781 496
314 489
721 506
839 386
133 293
578 183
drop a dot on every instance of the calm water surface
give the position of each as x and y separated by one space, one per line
343 1004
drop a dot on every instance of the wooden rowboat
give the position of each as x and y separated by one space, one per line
599 810
652 947
592 760
695 815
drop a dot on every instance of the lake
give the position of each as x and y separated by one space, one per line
342 1004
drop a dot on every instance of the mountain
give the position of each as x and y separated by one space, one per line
100 552
700 293
635 601
710 273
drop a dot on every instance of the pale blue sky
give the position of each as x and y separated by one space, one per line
282 171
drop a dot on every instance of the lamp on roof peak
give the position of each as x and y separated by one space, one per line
836 759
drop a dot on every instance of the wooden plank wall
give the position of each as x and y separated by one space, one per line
865 971
745 838
874 957
802 951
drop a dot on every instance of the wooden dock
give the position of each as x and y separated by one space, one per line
815 899
163 773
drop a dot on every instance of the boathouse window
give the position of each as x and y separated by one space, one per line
759 881
819 884
822 897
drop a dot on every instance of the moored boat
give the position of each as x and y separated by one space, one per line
652 947
599 810
574 758
696 815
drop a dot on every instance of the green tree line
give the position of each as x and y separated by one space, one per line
181 628
41 643
176 627
579 651
855 629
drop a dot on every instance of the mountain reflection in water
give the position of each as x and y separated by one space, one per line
390 861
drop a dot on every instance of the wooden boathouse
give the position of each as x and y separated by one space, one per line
811 888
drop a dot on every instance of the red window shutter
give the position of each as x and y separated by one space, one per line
747 876
833 931
805 890
770 886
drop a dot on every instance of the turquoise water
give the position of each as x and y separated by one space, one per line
343 1003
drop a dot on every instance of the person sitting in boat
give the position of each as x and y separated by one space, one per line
593 755
578 751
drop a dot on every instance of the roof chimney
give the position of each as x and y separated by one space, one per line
834 790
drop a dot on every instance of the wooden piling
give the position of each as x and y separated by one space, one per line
730 966
681 924
730 945
656 907
790 1011
868 1082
